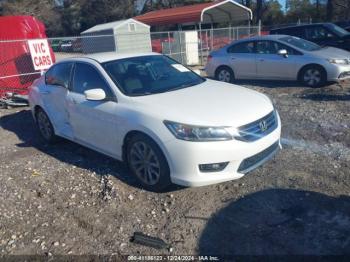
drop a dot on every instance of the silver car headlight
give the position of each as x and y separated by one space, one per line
199 133
338 61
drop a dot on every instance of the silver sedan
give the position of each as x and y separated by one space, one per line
279 57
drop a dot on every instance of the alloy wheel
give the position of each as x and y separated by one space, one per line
312 77
145 163
224 75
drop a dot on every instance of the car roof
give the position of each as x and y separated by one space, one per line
107 56
262 37
299 26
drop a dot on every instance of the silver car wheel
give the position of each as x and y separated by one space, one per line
312 77
224 75
144 162
44 125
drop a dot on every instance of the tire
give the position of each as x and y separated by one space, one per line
147 163
224 74
45 126
313 76
3 105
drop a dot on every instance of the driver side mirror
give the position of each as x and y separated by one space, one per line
95 94
283 52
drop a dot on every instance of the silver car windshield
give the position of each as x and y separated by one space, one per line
147 75
300 43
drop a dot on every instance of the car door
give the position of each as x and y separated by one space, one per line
54 94
271 65
242 59
320 35
94 122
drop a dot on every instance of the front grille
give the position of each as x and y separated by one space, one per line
259 128
253 162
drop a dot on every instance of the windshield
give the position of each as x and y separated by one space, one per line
146 75
337 30
300 43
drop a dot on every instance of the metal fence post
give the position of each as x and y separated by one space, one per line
207 43
180 39
212 39
201 42
169 43
229 32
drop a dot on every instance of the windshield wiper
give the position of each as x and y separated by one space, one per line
183 86
142 94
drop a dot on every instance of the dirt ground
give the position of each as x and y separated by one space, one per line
66 199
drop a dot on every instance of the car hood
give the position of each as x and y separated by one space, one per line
210 103
331 52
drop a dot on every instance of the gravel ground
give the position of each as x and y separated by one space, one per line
67 199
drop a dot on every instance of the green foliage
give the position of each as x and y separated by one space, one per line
76 16
273 13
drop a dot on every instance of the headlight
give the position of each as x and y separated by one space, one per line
338 61
199 133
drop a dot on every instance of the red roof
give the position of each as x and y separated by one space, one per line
177 15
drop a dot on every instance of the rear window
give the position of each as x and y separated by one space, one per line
242 48
294 31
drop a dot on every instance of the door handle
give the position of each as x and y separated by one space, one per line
233 58
261 60
45 92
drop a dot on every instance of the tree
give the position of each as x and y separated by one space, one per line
258 12
329 10
44 10
300 11
273 13
342 9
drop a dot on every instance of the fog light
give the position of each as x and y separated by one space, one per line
213 167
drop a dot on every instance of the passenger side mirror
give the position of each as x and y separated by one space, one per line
95 94
283 52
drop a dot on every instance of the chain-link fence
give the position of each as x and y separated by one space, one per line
188 47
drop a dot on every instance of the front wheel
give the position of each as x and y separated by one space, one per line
313 76
224 74
147 163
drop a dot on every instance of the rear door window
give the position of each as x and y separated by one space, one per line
242 48
318 33
293 31
59 74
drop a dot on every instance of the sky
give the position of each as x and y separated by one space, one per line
283 4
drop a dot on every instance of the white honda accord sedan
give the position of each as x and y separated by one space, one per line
167 123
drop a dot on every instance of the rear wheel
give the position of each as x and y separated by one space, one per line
147 163
45 127
224 74
313 76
